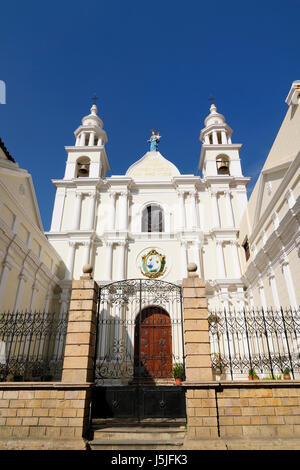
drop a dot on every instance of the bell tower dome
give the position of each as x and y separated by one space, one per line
87 158
219 156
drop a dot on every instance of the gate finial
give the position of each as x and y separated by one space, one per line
87 271
192 268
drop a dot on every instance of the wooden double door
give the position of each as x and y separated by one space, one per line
153 344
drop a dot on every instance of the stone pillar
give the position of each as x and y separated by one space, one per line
198 366
194 219
78 364
220 260
109 250
124 211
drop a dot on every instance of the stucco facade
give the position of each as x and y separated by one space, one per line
30 267
99 219
270 224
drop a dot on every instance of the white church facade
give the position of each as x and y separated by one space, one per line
122 223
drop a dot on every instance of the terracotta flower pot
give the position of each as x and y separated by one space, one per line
286 376
178 381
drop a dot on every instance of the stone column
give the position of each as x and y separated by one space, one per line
82 139
198 366
197 254
78 366
92 139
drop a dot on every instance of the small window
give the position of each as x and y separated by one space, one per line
246 249
153 219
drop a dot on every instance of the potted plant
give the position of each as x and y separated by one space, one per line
252 375
178 373
286 374
218 366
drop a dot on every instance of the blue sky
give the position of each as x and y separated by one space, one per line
152 64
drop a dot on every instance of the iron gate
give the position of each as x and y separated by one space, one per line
139 340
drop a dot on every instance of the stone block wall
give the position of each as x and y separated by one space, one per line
44 416
244 410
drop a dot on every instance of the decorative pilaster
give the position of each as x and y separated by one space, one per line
215 209
284 262
194 218
124 211
70 260
87 249
108 269
229 211
22 280
77 210
122 252
112 211
235 259
220 260
181 194
272 281
183 249
91 220
3 280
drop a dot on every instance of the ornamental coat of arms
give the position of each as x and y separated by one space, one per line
153 264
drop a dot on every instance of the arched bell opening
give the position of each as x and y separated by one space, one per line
223 165
83 167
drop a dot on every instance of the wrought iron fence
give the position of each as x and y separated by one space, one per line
253 342
139 332
32 346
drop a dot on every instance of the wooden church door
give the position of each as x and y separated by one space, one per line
153 344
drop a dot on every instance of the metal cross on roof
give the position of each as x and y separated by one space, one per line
95 98
211 99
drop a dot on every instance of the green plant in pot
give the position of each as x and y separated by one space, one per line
178 373
286 374
252 375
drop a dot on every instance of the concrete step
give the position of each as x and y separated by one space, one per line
140 433
153 444
130 434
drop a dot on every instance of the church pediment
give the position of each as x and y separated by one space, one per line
152 166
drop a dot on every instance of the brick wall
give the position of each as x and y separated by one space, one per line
244 410
49 415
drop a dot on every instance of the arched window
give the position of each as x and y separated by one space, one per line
153 219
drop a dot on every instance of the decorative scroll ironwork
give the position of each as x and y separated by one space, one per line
267 341
32 346
139 332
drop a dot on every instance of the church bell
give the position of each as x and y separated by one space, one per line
83 169
223 167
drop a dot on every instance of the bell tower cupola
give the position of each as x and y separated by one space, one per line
87 158
219 156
